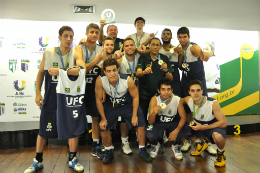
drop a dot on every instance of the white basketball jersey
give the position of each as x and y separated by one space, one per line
170 111
173 57
143 39
204 114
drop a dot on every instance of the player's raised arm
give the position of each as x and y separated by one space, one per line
154 110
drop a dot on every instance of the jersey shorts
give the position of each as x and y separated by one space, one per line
48 117
208 133
157 130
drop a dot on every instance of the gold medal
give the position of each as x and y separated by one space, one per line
192 123
163 105
184 65
160 62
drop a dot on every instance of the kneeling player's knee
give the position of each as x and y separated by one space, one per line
217 137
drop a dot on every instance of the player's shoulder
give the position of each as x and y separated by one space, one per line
192 43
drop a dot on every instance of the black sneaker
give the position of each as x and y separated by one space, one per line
109 157
94 150
99 153
162 149
143 153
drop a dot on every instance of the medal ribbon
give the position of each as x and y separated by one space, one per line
167 47
115 88
138 41
88 57
201 104
184 53
159 58
61 59
132 70
165 100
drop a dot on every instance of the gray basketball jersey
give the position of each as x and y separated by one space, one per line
170 111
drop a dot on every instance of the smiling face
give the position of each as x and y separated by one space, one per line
66 39
108 46
139 24
166 37
112 31
129 47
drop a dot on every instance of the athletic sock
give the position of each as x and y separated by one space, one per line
38 157
72 155
124 140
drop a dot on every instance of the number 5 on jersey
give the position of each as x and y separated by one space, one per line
75 113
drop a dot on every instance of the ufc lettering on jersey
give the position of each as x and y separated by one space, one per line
166 118
71 121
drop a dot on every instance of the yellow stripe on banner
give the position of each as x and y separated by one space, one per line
241 104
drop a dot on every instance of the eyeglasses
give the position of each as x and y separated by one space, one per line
155 45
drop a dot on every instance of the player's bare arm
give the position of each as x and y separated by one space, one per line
39 81
135 95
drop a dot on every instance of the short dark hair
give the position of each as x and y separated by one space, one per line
65 28
155 38
110 62
92 25
164 81
139 18
183 30
166 29
107 38
127 39
195 82
111 25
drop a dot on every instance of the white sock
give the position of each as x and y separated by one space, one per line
109 148
124 140
96 140
221 150
141 146
198 140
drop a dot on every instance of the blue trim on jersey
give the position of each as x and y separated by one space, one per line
210 99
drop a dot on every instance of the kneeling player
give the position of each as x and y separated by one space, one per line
163 109
209 121
122 100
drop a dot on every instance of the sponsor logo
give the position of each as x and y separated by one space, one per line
67 90
2 108
38 63
43 42
34 85
12 65
150 127
170 57
15 110
17 87
19 108
169 111
49 127
128 71
25 65
202 116
19 45
78 89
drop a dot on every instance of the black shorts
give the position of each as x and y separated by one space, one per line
91 108
158 129
48 124
208 133
126 112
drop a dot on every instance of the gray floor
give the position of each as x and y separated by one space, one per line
28 125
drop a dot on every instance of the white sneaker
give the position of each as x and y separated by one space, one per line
126 148
176 150
34 167
186 145
211 150
165 139
76 165
155 149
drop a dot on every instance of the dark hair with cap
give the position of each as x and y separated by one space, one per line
183 30
139 18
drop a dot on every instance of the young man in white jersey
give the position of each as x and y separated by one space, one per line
209 121
162 116
90 52
121 100
53 59
141 37
190 62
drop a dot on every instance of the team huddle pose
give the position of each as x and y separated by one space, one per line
137 79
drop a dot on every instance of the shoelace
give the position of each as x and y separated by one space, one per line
178 149
153 148
126 145
219 157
